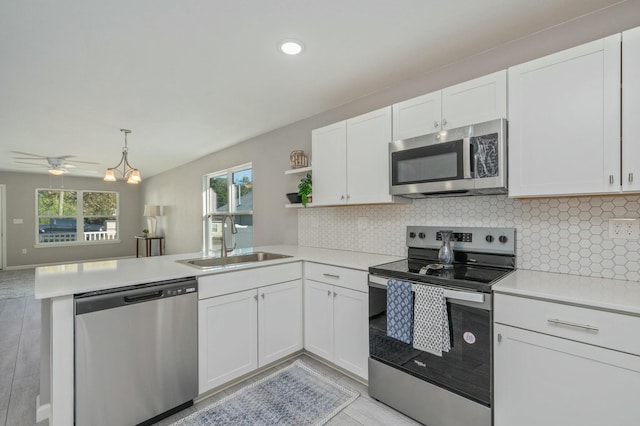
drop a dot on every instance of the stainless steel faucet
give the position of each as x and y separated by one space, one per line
222 218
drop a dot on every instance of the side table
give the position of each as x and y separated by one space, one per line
148 241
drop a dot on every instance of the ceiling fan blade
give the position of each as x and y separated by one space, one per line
29 154
33 164
83 162
30 158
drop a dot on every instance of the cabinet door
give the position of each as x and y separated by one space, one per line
227 338
631 110
318 319
279 321
545 380
475 101
368 138
329 147
564 122
351 330
418 116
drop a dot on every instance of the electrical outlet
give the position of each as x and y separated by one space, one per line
628 229
24 251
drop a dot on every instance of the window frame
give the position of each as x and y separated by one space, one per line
79 217
207 198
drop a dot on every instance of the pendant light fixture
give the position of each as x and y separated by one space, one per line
132 175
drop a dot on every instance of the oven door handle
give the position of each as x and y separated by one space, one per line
468 296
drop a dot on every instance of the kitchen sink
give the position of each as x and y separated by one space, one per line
216 262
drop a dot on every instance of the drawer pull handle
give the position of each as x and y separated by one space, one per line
556 321
337 277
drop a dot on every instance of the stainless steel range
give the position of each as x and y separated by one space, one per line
453 385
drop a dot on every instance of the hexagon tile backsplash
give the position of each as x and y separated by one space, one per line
565 235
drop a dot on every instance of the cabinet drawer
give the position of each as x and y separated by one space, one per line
240 280
335 275
595 327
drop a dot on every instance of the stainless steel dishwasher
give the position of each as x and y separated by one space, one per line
136 353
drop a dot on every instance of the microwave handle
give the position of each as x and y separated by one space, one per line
467 159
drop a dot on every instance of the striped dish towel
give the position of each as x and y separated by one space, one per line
400 311
431 322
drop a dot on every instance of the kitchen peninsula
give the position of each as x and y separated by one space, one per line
57 285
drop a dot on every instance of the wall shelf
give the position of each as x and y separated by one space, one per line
297 171
297 206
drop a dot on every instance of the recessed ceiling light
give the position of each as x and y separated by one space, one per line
291 47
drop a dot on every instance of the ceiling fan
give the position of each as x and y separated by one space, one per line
55 165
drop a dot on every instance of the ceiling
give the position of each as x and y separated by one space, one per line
191 77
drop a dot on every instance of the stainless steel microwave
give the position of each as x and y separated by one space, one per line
470 160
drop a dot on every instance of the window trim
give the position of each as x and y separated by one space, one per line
207 197
79 217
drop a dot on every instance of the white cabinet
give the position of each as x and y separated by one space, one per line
351 330
279 321
565 365
351 160
329 148
336 317
227 338
247 329
631 110
475 101
564 122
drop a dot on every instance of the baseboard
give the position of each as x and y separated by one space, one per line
42 411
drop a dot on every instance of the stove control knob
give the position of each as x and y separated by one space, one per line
489 238
421 235
503 239
412 234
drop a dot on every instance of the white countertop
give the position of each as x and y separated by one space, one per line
76 278
599 293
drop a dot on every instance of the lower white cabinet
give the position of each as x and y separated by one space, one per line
541 378
279 321
227 338
240 332
336 319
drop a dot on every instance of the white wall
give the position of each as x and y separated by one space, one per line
180 189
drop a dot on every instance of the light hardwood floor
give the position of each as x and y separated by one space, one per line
20 368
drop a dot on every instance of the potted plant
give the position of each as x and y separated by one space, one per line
305 190
145 232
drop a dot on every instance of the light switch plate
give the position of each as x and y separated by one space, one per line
628 229
18 221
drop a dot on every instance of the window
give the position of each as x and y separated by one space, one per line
229 192
67 216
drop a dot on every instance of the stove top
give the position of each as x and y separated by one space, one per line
482 256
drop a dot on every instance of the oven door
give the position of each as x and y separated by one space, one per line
464 370
425 164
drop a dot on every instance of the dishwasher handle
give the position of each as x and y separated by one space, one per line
127 296
144 297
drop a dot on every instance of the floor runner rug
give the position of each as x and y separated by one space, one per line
294 395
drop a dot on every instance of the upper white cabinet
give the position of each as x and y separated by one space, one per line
351 160
631 110
329 147
474 101
564 122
